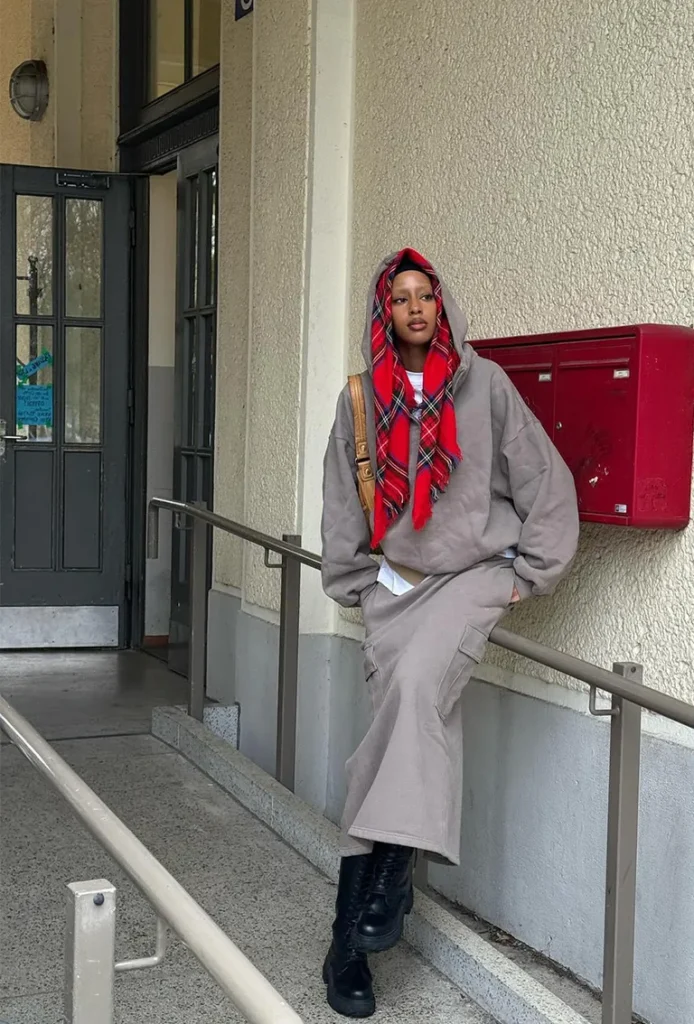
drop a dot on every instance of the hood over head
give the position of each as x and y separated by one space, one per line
456 317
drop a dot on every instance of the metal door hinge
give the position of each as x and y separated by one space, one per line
128 582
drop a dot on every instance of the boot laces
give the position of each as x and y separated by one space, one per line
388 867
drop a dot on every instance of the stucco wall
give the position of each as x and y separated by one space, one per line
262 288
235 152
99 83
78 42
541 155
280 156
26 33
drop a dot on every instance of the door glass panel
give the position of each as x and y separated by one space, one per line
206 34
34 382
34 255
83 234
82 385
167 53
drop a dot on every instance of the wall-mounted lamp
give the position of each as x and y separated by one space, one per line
29 90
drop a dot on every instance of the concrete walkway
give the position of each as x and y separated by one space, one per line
271 902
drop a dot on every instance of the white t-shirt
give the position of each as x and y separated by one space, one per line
390 579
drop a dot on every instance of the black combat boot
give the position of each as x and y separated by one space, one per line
346 971
390 897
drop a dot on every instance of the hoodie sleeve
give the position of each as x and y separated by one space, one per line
544 496
348 568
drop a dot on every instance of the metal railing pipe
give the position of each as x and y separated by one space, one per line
288 672
261 540
197 646
622 848
250 992
627 688
593 675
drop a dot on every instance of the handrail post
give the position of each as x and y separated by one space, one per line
197 650
90 941
288 674
622 841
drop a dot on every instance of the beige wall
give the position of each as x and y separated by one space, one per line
26 33
99 81
278 214
77 39
259 381
542 155
233 292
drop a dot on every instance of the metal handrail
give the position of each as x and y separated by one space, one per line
611 682
629 696
596 677
250 992
261 540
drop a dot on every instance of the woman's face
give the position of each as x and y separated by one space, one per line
413 308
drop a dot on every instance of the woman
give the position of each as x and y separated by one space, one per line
474 509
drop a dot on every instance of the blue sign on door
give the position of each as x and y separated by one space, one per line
34 405
243 7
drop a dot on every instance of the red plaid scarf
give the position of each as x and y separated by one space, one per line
394 403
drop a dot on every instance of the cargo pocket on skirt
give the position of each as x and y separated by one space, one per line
372 676
469 653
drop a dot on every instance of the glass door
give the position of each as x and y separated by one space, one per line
195 367
64 421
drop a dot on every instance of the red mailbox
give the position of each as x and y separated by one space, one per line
618 403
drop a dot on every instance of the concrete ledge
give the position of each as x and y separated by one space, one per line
222 720
481 971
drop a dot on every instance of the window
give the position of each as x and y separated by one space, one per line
184 42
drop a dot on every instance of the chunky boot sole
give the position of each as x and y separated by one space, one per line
386 941
342 1004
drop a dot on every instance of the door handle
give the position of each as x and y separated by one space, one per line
13 437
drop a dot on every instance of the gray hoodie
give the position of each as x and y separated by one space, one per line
512 489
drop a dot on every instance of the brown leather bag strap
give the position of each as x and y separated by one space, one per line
366 482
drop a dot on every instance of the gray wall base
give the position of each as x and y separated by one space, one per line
481 971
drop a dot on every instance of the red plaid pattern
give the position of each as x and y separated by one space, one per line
394 403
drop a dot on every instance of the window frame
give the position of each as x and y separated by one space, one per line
140 117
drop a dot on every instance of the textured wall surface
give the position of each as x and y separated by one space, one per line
26 33
541 155
100 114
233 290
81 121
278 211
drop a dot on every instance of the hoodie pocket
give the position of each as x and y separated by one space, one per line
469 653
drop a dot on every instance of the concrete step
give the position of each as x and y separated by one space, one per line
272 902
